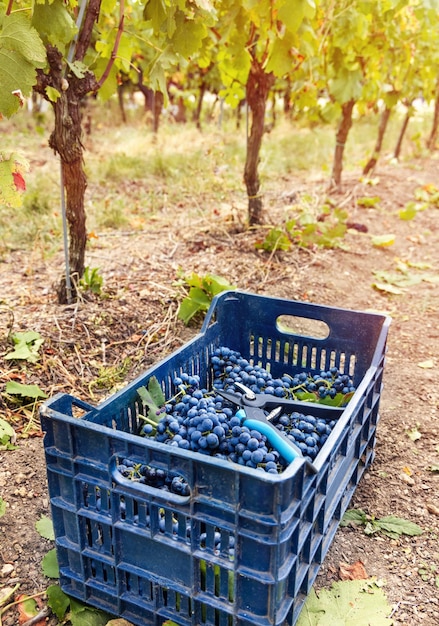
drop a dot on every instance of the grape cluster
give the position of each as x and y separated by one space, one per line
230 367
154 477
201 420
308 432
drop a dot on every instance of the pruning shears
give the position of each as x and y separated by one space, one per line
252 415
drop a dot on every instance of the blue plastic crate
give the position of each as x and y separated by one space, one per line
148 555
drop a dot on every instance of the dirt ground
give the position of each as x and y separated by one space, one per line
136 325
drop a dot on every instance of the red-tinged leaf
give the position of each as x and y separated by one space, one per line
19 182
29 608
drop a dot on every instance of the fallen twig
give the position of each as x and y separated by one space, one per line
37 618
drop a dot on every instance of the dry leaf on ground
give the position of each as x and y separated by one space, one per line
356 571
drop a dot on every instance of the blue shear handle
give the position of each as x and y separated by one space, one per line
288 452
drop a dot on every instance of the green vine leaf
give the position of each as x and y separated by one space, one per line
58 601
359 602
49 564
202 291
394 526
390 525
78 68
44 527
25 391
54 24
84 615
153 399
7 435
347 85
21 52
27 345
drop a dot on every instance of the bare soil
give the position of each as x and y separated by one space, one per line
136 324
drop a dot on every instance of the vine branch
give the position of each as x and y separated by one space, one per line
116 45
84 39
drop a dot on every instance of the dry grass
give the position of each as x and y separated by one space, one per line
136 178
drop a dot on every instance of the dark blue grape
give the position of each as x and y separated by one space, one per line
246 455
270 465
252 444
257 456
202 442
212 440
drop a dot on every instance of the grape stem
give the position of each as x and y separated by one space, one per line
148 420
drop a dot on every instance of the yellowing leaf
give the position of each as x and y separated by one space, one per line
280 60
52 93
382 241
408 213
388 288
370 181
368 201
414 434
429 364
9 195
28 608
292 19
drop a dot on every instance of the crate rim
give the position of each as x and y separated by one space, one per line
314 305
379 348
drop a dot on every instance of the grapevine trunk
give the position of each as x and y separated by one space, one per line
66 141
371 164
402 132
258 87
340 142
431 142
